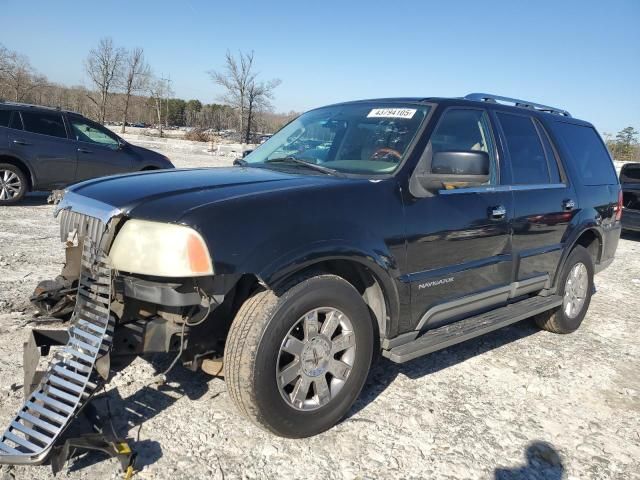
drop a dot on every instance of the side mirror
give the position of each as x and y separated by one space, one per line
121 144
464 168
246 152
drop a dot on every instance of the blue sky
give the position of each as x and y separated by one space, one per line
583 56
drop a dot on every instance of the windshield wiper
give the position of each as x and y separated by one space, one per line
303 163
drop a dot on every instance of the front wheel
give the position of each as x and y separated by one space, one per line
295 363
13 184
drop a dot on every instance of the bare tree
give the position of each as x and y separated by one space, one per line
158 90
236 78
17 75
258 99
104 67
135 79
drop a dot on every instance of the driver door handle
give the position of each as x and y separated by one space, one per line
568 205
497 213
84 150
20 142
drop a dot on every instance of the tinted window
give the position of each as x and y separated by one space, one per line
5 116
528 161
45 123
589 154
89 132
465 130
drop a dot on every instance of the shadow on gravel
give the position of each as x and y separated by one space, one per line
128 413
34 199
543 463
385 371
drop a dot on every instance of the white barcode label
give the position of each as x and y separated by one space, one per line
392 113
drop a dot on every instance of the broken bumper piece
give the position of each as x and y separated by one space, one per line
72 377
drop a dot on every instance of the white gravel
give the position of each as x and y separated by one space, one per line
516 404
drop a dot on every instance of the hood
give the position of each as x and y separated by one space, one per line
167 195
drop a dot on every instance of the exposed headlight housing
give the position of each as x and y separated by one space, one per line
160 249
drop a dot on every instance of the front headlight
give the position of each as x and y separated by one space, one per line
160 249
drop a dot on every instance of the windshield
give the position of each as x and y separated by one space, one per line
365 138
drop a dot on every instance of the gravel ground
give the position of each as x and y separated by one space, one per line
516 404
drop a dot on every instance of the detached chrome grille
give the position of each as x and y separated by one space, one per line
72 377
85 226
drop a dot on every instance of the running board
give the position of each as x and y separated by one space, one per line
471 327
72 376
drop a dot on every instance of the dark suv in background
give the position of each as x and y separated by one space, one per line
630 181
44 148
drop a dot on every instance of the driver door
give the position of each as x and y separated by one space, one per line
98 149
458 238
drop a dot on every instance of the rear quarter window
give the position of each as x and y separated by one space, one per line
630 173
587 152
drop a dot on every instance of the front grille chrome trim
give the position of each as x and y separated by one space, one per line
72 377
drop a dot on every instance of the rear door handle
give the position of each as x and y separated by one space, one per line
20 142
568 205
84 150
497 213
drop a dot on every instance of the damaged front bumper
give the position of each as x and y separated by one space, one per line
74 372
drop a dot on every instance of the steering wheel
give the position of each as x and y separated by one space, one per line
384 152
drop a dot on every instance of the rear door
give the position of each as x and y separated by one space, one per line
40 137
99 150
544 200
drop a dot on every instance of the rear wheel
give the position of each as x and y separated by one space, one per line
577 286
295 363
13 184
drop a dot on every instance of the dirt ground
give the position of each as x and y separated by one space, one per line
515 404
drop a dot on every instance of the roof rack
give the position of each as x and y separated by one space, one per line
488 97
29 105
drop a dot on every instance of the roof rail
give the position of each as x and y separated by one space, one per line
30 105
488 97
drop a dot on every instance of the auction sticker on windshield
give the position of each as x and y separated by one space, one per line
392 113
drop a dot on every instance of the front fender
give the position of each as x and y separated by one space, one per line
376 260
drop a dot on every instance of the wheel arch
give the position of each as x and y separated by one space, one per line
371 280
588 237
23 166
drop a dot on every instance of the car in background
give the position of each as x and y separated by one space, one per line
630 181
43 148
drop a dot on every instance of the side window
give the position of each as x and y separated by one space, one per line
89 132
5 116
462 129
44 123
588 153
16 121
528 161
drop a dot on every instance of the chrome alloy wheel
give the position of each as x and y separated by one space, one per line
316 358
575 290
10 185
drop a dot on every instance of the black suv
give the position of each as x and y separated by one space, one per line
630 180
45 148
392 226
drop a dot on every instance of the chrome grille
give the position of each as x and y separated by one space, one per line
84 225
71 378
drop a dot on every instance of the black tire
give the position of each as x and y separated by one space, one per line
557 320
17 179
253 347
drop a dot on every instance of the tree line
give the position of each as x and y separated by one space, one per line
123 88
624 146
